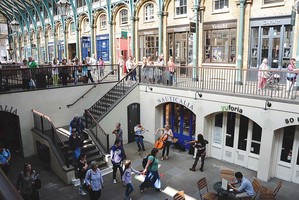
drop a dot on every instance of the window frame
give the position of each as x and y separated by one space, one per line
149 10
269 2
183 8
86 25
103 17
224 8
123 16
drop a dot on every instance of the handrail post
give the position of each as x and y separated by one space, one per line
42 123
108 143
139 75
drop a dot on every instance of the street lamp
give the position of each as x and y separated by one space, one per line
14 25
63 7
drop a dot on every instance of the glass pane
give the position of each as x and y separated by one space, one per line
276 30
177 118
256 139
243 132
186 123
230 129
275 52
287 144
287 45
266 30
265 46
218 128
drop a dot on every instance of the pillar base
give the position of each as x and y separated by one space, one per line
238 83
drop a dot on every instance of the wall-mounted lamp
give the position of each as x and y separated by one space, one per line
268 104
197 94
149 87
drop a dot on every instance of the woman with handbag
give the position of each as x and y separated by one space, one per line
26 183
94 181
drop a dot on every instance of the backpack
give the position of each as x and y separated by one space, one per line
144 161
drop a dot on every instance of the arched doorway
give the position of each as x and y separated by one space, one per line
288 154
236 139
182 122
10 134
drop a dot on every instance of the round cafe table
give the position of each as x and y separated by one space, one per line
223 194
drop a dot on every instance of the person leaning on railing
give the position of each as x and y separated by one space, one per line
291 75
64 72
262 74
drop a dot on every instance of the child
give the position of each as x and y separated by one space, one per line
127 178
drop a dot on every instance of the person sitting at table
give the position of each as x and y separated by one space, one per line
245 189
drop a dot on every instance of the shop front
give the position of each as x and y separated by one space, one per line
220 42
271 38
102 45
85 48
148 44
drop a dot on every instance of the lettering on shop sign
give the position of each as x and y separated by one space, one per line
270 22
8 109
176 100
232 108
219 26
291 120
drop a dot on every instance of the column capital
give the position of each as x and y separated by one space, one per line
238 2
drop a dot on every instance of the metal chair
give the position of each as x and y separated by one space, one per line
202 183
179 196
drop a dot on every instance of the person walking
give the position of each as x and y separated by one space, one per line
101 66
25 183
118 132
79 126
167 132
117 156
138 129
152 178
245 189
262 74
127 179
200 146
82 168
5 156
75 146
94 181
291 76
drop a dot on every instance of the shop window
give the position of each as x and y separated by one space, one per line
256 139
220 5
123 17
180 7
149 12
218 128
287 144
287 46
103 22
148 46
220 46
267 2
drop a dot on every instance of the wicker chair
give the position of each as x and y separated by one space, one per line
201 184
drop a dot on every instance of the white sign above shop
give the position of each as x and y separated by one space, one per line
178 100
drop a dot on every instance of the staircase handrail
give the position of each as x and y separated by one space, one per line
101 129
94 86
65 147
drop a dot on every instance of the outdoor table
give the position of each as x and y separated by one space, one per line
222 194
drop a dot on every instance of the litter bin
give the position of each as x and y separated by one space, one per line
43 152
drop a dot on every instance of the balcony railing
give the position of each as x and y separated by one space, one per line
213 79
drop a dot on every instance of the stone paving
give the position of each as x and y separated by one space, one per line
174 172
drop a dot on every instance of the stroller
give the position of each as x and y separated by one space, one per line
272 81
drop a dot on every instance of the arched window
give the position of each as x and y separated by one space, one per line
123 17
103 22
85 25
72 27
149 12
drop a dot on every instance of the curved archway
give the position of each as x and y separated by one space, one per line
10 134
182 121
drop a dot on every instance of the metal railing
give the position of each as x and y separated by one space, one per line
7 189
18 79
44 124
100 135
81 97
223 80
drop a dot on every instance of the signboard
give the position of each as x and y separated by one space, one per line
192 27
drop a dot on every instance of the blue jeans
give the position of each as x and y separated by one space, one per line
129 189
139 141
